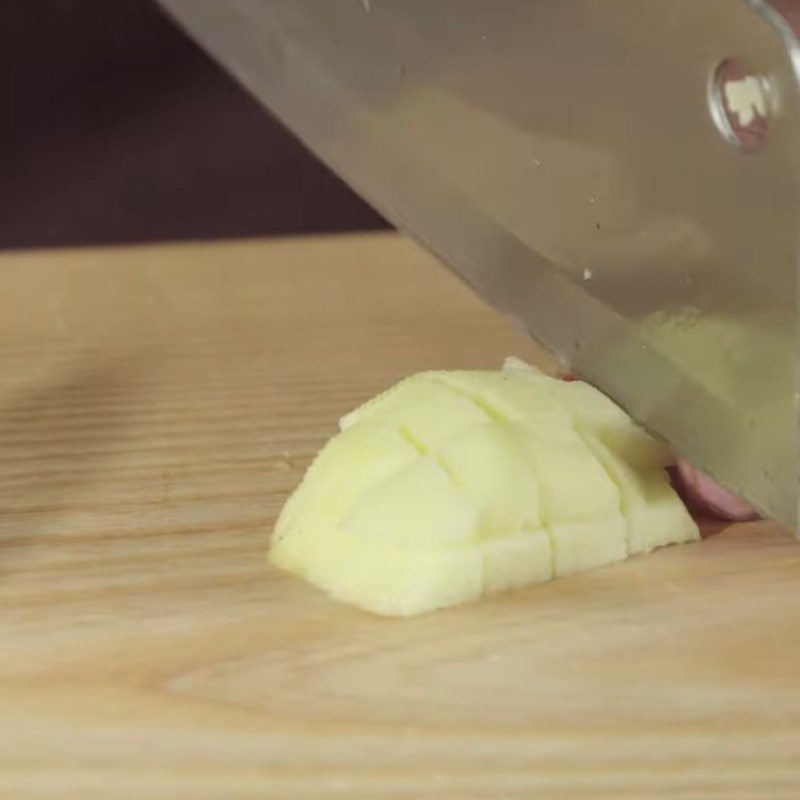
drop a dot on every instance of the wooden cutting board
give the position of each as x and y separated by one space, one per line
157 404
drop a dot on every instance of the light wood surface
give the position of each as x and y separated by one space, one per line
156 407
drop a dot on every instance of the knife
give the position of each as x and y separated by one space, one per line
621 178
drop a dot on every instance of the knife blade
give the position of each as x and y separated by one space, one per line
621 178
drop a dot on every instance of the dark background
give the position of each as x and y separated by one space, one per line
117 128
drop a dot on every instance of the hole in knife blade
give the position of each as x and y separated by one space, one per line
739 101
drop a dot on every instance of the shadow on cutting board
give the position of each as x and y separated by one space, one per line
57 437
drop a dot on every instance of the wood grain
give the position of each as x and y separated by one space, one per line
156 406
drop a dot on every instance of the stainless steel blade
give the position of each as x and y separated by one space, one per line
562 157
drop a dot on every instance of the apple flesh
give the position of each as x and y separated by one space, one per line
454 485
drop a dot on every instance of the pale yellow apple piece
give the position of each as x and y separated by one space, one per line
345 469
426 411
580 504
511 562
593 411
596 413
417 507
510 397
655 514
573 485
382 577
454 485
487 463
589 543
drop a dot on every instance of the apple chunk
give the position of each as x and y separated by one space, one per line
455 485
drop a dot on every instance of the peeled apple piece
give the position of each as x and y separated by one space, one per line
454 485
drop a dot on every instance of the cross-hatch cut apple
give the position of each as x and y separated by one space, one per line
452 485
